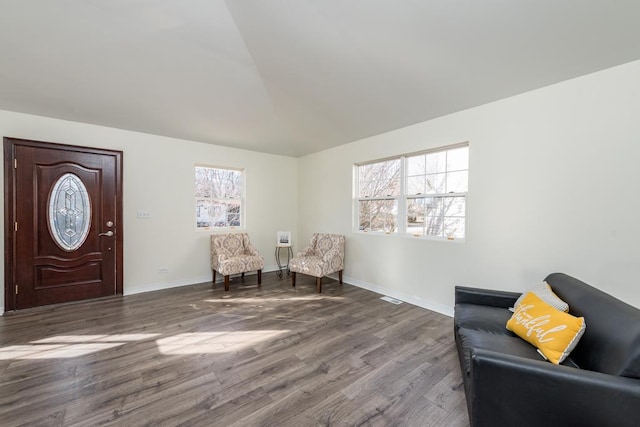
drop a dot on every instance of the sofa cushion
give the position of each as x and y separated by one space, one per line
470 339
482 318
552 331
611 342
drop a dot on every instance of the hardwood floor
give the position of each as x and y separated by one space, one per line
195 355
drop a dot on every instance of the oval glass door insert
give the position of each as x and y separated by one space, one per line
69 212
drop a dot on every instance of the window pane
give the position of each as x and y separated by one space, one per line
435 184
433 206
458 159
379 179
217 213
436 216
415 185
454 206
218 183
454 227
204 213
416 213
457 182
233 213
433 225
436 162
424 216
416 165
378 215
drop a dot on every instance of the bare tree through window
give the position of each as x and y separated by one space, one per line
429 189
379 185
437 184
218 194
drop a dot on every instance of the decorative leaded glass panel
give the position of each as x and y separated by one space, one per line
69 212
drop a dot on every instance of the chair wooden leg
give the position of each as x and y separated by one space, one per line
340 276
293 279
242 277
319 284
214 277
259 278
226 282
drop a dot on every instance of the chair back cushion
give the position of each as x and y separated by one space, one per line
231 245
323 243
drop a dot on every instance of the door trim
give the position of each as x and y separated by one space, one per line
10 145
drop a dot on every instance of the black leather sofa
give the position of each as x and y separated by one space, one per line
507 383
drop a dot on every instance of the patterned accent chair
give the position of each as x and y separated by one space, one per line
233 254
325 255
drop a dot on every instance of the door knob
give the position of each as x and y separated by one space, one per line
108 234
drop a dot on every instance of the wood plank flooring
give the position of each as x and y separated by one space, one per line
199 356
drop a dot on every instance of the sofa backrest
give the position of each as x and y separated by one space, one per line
611 340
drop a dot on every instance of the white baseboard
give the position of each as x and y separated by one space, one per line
411 299
150 287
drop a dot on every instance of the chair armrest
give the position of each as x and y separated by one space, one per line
492 298
306 252
511 390
250 250
216 258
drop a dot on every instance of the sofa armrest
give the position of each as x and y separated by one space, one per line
511 390
493 298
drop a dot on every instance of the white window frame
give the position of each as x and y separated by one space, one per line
403 199
227 225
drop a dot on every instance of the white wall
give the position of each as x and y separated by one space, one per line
552 188
158 176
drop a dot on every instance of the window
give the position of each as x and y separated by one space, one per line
378 191
422 194
219 197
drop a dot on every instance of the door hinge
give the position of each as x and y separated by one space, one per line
15 163
15 226
16 289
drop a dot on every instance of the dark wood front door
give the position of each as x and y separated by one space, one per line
63 223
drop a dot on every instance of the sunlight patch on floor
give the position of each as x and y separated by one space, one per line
95 338
214 342
67 346
262 300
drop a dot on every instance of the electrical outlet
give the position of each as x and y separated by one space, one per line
163 270
143 214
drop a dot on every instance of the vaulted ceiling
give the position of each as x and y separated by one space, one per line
294 77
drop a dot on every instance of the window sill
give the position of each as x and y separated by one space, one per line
410 236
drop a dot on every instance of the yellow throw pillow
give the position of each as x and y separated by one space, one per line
552 331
